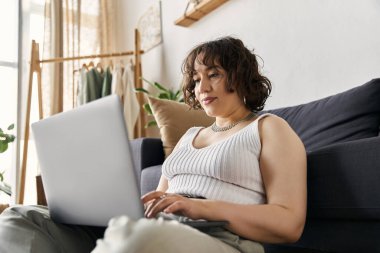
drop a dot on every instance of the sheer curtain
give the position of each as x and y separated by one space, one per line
73 28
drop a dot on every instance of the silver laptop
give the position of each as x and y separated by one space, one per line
87 167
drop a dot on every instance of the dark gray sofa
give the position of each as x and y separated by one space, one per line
341 136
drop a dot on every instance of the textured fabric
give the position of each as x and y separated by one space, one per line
343 181
350 115
174 119
107 82
123 86
340 236
150 177
30 229
124 235
67 33
94 84
116 84
131 104
227 170
147 152
82 88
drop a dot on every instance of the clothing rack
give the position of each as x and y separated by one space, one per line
35 67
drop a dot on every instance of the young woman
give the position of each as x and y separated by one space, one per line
247 169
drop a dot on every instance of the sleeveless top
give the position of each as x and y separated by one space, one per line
227 170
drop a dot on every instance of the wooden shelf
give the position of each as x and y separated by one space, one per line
201 10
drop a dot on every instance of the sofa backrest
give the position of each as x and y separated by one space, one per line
350 115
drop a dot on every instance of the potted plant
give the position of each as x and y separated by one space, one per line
163 93
5 139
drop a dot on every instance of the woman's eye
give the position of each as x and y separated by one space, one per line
213 75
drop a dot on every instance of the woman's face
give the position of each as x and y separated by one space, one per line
210 90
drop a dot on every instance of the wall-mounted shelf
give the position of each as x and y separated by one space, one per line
199 11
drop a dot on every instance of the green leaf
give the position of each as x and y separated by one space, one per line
10 137
2 176
1 130
155 84
148 109
151 123
160 87
163 96
180 99
3 146
147 81
11 127
171 95
6 188
141 90
177 95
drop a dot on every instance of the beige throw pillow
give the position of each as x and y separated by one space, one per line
174 119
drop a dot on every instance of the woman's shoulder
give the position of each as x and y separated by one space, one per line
193 130
271 120
272 124
277 130
271 117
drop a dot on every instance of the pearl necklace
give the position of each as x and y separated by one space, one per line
216 128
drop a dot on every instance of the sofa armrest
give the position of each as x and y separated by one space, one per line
343 180
147 152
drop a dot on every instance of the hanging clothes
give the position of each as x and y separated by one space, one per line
107 82
82 87
94 84
117 86
131 104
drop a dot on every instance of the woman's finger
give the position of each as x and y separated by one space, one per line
162 204
155 203
151 196
152 204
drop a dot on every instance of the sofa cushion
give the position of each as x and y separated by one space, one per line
343 181
146 152
174 119
350 115
150 178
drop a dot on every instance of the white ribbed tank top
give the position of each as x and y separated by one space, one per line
227 170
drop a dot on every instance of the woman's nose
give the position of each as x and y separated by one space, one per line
204 85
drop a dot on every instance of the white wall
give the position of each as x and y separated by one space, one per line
311 48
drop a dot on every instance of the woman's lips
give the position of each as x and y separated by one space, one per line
208 100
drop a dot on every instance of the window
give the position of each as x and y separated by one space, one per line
33 29
13 65
8 82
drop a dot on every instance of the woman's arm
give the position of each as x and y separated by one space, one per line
162 185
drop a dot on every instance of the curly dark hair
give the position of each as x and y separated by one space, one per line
240 64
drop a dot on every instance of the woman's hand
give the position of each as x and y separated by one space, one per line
158 201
